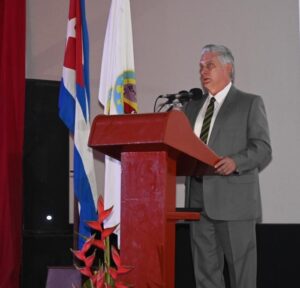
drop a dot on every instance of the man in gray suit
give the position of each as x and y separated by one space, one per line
234 125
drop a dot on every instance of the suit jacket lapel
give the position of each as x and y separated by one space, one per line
223 112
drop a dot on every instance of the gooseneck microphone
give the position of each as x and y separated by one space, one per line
183 95
196 93
178 99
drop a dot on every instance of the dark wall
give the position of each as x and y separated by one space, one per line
46 242
278 256
46 164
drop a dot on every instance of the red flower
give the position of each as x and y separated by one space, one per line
120 268
99 244
102 215
103 276
113 273
84 271
108 231
90 260
80 254
98 279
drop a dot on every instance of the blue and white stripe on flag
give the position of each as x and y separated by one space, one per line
74 110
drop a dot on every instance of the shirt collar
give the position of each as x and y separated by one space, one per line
220 96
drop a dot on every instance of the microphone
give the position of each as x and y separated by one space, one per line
196 92
183 95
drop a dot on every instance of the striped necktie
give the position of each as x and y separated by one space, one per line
207 119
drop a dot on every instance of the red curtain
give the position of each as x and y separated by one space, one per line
12 95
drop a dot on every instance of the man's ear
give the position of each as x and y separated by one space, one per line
229 68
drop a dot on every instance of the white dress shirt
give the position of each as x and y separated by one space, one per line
220 97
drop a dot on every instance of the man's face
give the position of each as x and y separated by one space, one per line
214 75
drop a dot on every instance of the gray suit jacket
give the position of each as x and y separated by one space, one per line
241 132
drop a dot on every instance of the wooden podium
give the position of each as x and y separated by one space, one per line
153 150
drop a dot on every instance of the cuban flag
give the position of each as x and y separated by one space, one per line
74 110
117 92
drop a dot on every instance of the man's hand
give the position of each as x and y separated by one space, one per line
225 166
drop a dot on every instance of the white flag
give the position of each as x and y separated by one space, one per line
117 91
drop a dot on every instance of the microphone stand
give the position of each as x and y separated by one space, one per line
176 101
176 104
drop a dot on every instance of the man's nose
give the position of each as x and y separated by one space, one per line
203 71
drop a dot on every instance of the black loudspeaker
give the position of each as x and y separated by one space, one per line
46 160
47 234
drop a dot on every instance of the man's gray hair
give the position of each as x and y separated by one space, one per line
224 55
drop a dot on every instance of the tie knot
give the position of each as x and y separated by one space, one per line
212 100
